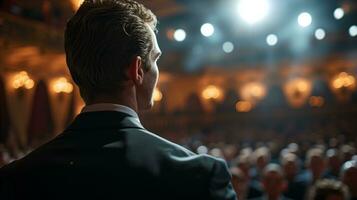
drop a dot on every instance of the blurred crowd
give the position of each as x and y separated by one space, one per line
322 172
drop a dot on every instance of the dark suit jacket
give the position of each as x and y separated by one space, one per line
109 155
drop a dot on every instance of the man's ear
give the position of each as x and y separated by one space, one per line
136 71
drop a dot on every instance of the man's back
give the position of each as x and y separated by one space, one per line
110 155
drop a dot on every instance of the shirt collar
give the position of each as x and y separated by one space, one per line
110 107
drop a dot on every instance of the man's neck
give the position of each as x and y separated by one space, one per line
126 98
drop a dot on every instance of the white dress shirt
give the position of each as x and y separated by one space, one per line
110 107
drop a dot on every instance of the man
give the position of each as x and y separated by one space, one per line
333 164
295 189
111 52
273 183
349 177
328 189
239 182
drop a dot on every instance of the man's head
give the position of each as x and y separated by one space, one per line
349 176
111 51
290 165
239 182
326 189
333 159
315 161
273 180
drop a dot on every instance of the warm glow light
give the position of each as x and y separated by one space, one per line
316 101
212 92
297 91
243 106
207 29
157 95
77 3
343 80
304 19
253 11
22 80
253 91
61 85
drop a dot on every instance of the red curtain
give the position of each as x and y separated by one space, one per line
41 125
4 114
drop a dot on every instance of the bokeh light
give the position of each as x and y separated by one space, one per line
338 13
22 80
180 35
61 85
207 29
212 92
304 19
320 34
352 30
228 47
243 106
272 40
157 96
253 11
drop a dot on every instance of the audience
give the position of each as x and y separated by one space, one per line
326 189
349 177
273 183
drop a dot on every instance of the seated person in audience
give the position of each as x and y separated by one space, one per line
260 158
239 182
243 163
349 177
315 166
333 164
327 189
273 183
295 189
347 151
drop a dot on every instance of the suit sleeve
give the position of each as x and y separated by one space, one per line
220 186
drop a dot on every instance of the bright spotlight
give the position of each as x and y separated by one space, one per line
253 11
180 35
320 34
272 40
207 29
304 19
228 47
338 13
353 31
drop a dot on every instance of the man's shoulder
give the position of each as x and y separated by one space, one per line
142 140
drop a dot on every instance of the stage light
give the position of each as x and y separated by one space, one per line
180 35
353 30
253 11
207 29
272 40
76 3
338 13
228 47
320 34
304 19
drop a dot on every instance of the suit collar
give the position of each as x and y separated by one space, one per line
104 120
